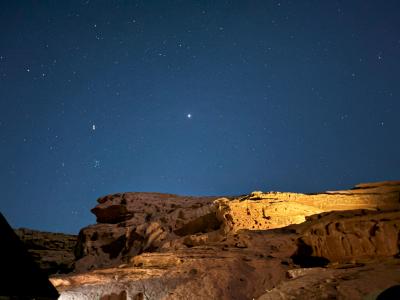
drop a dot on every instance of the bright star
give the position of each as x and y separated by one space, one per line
189 116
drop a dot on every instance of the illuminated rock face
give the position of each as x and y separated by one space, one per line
274 210
160 246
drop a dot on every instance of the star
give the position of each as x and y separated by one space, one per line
94 127
96 164
189 116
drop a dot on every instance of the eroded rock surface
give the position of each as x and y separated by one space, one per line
265 245
133 223
53 252
351 235
239 267
355 282
274 209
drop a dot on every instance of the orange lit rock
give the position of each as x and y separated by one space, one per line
274 209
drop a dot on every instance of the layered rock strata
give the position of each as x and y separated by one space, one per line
274 209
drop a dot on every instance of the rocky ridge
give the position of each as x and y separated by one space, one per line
53 252
275 209
264 245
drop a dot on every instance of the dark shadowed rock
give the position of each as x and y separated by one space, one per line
21 278
392 293
53 252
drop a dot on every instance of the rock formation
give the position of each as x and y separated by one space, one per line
350 235
53 252
131 223
274 209
264 245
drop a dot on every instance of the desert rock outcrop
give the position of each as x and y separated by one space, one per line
264 245
275 209
133 223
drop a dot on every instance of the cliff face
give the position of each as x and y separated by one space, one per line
53 252
267 245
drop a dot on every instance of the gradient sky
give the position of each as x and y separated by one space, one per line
95 98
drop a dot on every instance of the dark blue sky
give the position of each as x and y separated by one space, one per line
283 95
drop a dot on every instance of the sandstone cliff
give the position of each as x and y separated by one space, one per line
268 245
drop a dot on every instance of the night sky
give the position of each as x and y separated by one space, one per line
193 98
